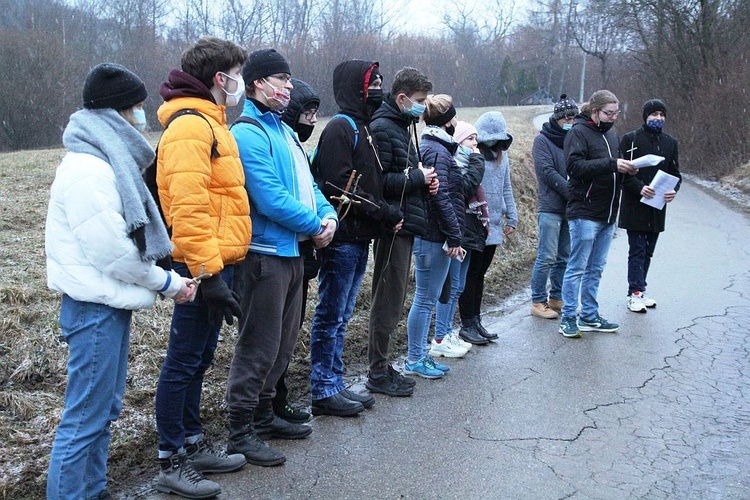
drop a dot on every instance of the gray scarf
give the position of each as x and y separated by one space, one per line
108 136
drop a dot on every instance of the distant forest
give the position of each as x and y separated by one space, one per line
691 53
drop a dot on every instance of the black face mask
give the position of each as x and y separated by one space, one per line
374 99
304 131
604 127
450 129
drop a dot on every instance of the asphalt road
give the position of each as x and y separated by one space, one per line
660 409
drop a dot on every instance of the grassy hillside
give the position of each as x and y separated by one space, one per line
33 358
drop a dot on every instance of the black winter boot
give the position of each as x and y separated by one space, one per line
470 334
482 330
269 426
242 439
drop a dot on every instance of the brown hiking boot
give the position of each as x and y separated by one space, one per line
556 305
542 310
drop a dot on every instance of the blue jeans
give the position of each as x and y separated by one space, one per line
192 342
431 268
97 337
445 313
589 246
551 258
640 250
342 268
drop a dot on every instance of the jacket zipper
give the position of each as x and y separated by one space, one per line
614 183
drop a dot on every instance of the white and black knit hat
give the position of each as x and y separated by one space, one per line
110 85
564 107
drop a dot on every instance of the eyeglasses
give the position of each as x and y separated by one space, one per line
610 114
310 114
283 77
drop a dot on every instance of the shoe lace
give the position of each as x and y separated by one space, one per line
187 471
206 446
429 362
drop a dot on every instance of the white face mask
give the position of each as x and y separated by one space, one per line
139 120
234 98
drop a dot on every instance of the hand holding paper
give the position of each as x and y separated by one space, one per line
662 183
647 161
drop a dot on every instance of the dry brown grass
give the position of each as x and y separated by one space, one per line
33 359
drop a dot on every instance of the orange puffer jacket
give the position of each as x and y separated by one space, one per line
203 198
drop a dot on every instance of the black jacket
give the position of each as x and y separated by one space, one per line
593 180
402 188
634 215
445 210
337 157
475 233
549 164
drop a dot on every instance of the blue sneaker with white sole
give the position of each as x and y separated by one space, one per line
597 324
423 369
430 361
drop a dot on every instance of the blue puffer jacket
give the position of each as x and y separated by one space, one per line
271 181
445 210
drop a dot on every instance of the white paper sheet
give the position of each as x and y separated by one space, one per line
647 161
662 183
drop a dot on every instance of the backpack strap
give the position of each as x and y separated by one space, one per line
149 174
351 122
183 112
253 121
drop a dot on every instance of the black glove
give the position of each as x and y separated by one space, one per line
223 304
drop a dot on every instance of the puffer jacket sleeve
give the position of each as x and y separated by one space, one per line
266 189
544 165
187 166
394 160
441 203
579 166
94 214
473 176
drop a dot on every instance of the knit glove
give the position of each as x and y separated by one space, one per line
223 304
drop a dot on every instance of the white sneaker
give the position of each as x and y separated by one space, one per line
648 302
457 341
635 303
446 348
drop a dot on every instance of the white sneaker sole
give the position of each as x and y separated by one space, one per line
637 309
585 328
437 354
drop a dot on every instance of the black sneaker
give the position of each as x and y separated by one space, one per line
390 384
291 414
400 377
366 399
337 405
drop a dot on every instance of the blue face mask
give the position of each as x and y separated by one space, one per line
464 150
655 125
139 120
567 126
416 109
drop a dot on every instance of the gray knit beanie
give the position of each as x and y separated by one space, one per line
491 128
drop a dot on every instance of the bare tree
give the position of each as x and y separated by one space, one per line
598 30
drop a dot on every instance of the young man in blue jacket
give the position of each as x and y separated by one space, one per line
287 208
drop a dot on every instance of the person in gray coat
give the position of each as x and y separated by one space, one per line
494 141
554 238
